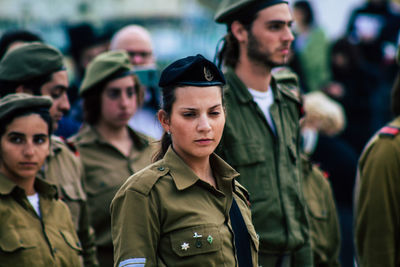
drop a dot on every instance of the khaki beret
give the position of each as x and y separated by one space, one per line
29 61
106 66
14 102
230 10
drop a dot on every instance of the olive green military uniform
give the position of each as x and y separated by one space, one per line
324 224
377 206
166 216
64 169
269 167
29 240
106 169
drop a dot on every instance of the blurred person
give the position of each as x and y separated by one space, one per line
311 48
261 138
374 28
355 78
110 150
136 40
39 69
325 119
85 44
36 226
193 212
13 38
377 194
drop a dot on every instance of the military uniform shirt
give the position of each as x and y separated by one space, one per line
65 170
27 240
166 216
269 165
324 223
377 206
106 169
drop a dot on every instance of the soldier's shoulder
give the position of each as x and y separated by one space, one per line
242 192
60 144
144 180
288 83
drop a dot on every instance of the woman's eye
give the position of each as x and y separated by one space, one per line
130 92
189 114
40 140
215 113
15 139
113 94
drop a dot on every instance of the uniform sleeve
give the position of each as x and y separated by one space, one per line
378 205
135 227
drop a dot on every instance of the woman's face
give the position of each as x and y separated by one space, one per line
24 147
197 121
118 102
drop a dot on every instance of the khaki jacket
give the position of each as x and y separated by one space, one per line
106 169
166 216
64 170
29 240
269 165
377 200
323 218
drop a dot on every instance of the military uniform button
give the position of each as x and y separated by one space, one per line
198 244
161 168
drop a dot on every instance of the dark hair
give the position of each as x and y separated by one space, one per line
92 100
42 112
13 36
305 7
168 99
395 97
229 54
35 85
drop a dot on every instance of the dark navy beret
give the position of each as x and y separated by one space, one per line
192 71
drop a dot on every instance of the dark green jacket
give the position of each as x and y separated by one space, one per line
269 166
27 240
377 206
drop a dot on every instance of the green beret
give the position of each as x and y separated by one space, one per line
105 67
30 61
14 102
230 10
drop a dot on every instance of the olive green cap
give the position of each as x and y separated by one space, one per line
104 67
14 102
230 10
29 61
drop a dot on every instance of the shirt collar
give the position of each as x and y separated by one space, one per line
184 176
42 187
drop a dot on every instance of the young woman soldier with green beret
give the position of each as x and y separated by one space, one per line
36 227
110 150
186 209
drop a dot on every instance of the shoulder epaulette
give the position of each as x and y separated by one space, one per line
144 180
71 146
389 131
243 191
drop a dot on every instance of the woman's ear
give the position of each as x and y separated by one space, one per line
239 31
164 119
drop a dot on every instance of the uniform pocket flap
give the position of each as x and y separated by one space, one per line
317 209
71 240
196 240
245 154
12 240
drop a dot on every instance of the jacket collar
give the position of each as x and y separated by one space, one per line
184 176
242 91
42 187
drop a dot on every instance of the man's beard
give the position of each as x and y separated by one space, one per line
256 55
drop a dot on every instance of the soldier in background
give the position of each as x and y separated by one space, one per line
38 69
261 138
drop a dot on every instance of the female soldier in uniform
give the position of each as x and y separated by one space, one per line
186 209
109 149
36 228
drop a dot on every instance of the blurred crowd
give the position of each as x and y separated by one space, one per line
345 86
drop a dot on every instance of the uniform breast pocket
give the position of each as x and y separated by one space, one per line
17 240
71 240
246 153
196 241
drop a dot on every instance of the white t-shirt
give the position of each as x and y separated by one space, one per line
264 100
34 200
